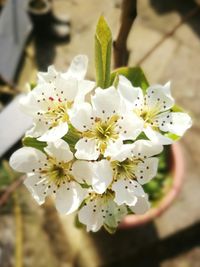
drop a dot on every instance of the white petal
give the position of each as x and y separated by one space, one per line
128 92
26 159
142 205
84 87
106 102
175 122
127 191
98 174
59 150
55 133
82 171
38 129
146 170
158 95
29 105
157 137
66 88
130 126
44 93
146 148
77 68
39 99
118 151
82 117
114 214
48 76
91 215
69 197
102 176
36 188
86 149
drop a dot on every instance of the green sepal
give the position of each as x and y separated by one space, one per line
177 108
85 186
130 212
103 46
33 142
72 137
172 136
142 136
32 85
77 223
135 75
109 229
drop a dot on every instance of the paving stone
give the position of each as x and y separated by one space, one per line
140 41
188 259
6 241
185 210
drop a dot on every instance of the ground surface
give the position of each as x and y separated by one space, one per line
173 240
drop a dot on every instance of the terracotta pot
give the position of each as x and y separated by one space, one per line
177 169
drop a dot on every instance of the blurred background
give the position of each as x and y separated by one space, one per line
164 41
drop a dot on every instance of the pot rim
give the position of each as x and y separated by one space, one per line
177 172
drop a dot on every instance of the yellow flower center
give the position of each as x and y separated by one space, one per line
57 112
103 131
57 172
149 114
125 169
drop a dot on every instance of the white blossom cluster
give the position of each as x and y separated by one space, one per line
101 176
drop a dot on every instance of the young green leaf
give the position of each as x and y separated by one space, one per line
135 75
103 45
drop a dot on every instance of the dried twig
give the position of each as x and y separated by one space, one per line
10 189
128 16
18 232
7 90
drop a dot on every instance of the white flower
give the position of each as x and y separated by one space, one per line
98 174
155 110
51 173
103 122
133 167
100 210
49 76
117 183
49 103
77 70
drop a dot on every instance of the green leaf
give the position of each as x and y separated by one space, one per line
135 75
103 46
33 142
